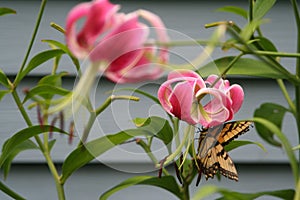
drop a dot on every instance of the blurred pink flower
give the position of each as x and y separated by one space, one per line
118 40
186 96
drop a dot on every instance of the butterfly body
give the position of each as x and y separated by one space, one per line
211 156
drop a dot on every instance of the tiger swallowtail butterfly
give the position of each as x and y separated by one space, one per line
211 156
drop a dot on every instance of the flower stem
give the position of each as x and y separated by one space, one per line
185 191
297 87
150 154
100 109
175 122
58 183
35 30
287 96
274 53
59 186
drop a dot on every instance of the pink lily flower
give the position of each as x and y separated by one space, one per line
118 40
184 95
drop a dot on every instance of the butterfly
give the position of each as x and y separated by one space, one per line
212 157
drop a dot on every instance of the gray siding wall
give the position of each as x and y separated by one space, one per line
258 170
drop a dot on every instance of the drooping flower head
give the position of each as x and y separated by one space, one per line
188 97
117 39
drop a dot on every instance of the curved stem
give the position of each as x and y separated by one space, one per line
59 186
175 122
150 154
185 191
287 96
35 30
297 87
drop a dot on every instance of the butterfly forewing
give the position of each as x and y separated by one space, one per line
232 130
208 139
211 156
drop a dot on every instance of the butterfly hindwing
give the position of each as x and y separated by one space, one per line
212 156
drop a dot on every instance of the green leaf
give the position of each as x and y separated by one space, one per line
284 141
166 182
160 127
89 151
235 10
283 194
23 135
66 50
39 59
3 93
208 190
205 191
26 145
51 144
266 44
3 79
153 98
10 192
6 11
250 28
237 143
47 90
274 113
244 66
261 7
52 79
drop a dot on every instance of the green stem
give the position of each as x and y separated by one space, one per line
297 87
274 53
59 187
251 5
58 183
150 154
175 122
99 110
35 30
267 59
88 127
181 43
60 190
297 195
110 99
227 69
185 191
287 96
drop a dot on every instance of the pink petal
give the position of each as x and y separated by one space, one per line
163 95
71 36
236 94
127 70
182 99
127 37
160 29
217 110
99 16
183 73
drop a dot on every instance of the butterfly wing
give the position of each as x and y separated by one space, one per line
216 160
208 139
232 130
211 156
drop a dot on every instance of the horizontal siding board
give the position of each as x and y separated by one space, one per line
186 20
117 117
93 180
